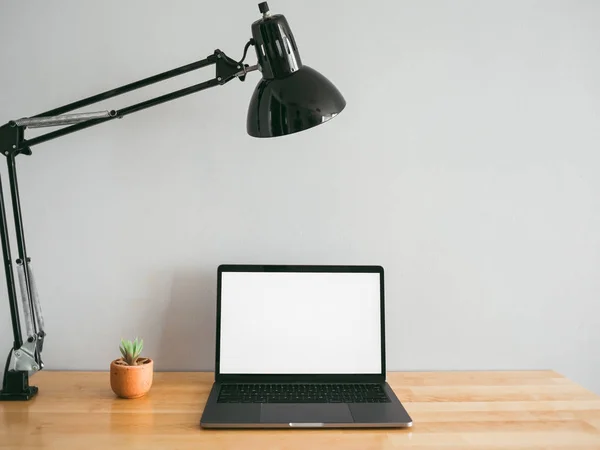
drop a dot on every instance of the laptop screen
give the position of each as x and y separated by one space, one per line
300 322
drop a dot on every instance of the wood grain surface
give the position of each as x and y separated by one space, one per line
461 410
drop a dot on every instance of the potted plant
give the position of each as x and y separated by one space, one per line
131 375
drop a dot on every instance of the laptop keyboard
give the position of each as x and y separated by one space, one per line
302 393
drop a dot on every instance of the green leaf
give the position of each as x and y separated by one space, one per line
131 350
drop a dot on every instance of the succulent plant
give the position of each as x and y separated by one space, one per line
131 351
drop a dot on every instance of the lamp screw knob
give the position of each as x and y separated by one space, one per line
6 153
219 56
14 146
219 78
263 7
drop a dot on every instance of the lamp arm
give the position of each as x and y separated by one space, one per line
24 358
226 70
129 87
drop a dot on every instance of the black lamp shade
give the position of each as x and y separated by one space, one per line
291 97
295 103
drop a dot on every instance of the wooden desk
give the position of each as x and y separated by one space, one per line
77 410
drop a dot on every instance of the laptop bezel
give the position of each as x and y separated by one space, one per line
302 378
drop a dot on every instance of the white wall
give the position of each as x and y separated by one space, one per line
465 163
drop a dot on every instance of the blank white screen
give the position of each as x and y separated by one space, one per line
300 323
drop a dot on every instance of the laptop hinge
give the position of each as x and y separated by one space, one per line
299 378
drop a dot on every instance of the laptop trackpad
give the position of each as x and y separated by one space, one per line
305 413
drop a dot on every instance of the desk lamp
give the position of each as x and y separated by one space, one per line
290 97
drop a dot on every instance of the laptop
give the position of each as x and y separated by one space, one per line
301 347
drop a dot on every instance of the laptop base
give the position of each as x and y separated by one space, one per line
304 415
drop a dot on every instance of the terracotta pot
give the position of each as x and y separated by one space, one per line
131 381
